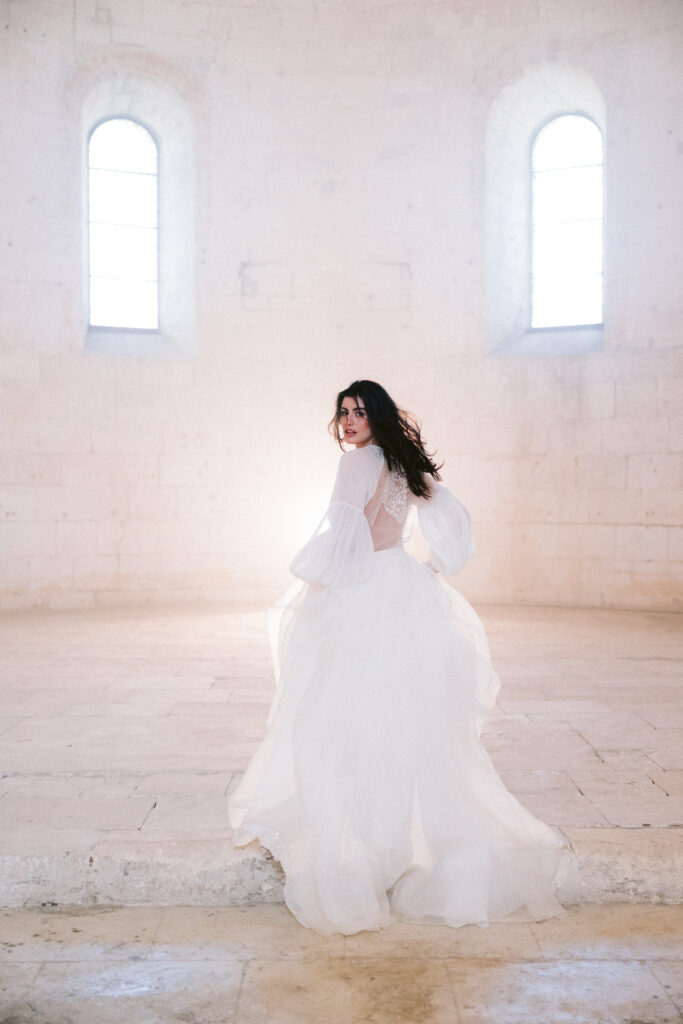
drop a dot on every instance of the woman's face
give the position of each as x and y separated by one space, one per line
354 423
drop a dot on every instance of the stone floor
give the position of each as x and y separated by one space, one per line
121 732
255 965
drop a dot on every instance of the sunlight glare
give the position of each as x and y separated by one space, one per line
567 226
123 216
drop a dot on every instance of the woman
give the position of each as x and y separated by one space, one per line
372 787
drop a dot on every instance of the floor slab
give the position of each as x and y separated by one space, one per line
123 730
257 965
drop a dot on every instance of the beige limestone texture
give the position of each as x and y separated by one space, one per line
123 731
256 965
325 218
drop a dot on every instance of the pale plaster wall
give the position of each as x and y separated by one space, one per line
336 219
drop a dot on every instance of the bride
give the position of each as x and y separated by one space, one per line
371 786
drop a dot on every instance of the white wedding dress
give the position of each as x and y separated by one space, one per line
371 786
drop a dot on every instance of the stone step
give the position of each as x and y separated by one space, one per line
600 865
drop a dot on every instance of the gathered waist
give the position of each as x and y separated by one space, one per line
397 549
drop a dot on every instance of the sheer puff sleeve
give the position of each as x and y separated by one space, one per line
341 550
447 529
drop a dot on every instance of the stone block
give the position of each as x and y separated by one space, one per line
646 584
654 471
190 784
203 931
55 503
73 598
139 538
660 363
183 469
47 569
386 286
598 471
669 391
109 535
611 505
574 435
675 543
564 810
183 814
199 503
546 471
636 861
676 432
137 434
669 750
536 541
587 540
90 934
619 730
19 365
151 502
639 804
32 468
73 538
637 398
534 436
657 506
28 538
641 543
635 435
159 19
655 935
270 286
596 398
490 475
494 438
186 537
63 814
567 574
97 570
529 505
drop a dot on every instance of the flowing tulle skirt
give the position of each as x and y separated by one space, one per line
372 787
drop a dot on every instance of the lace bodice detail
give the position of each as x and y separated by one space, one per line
369 512
387 509
395 497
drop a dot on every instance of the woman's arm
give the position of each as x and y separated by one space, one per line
447 528
341 551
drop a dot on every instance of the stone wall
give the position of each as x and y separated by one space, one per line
328 216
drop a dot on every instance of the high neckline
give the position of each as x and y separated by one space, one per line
365 447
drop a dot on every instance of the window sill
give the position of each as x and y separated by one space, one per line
555 341
131 341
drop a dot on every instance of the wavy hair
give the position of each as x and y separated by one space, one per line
397 432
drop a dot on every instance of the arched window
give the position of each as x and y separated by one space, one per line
566 223
123 226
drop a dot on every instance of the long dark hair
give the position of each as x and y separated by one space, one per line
395 431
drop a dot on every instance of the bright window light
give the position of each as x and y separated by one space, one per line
566 223
123 226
